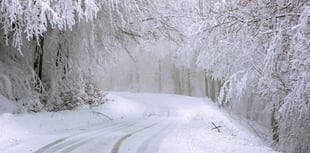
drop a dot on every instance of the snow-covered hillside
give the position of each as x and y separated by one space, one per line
130 122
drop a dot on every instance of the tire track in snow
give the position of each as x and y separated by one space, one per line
67 140
119 142
85 139
165 126
151 145
81 137
70 143
94 137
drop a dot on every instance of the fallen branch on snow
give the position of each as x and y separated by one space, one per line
103 115
216 127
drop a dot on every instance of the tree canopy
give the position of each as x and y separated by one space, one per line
258 50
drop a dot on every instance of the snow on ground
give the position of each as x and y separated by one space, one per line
130 122
6 106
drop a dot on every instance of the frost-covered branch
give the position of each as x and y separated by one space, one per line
31 18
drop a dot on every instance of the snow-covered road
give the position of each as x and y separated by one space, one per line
130 123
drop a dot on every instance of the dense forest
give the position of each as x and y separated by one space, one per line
251 57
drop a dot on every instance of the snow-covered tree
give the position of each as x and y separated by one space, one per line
264 38
37 29
258 50
31 18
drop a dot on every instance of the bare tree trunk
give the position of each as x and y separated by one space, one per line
206 85
38 60
189 88
176 80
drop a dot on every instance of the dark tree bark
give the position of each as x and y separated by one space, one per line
38 60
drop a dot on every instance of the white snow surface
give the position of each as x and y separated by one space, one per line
7 106
130 123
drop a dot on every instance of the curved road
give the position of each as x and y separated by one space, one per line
139 135
168 124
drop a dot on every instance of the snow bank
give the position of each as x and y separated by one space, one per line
118 107
11 132
15 129
7 106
